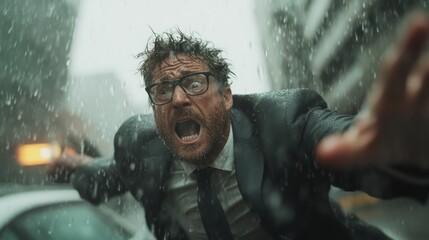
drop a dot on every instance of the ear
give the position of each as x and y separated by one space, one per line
227 97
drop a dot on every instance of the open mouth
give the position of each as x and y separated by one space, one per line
188 130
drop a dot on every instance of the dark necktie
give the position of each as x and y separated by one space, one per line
212 215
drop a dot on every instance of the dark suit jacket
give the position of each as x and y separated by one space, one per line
275 135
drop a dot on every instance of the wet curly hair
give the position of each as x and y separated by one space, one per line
162 45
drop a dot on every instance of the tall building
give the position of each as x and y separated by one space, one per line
332 46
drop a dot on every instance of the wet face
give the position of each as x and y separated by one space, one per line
195 128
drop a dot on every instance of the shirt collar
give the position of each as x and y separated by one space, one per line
224 161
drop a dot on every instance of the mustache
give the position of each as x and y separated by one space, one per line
186 112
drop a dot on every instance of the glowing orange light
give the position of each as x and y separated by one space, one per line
69 151
37 154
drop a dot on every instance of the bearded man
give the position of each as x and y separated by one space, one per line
210 164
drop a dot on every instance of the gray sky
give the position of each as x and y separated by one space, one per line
110 33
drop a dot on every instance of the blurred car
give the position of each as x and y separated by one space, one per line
57 212
51 162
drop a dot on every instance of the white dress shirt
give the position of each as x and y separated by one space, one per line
181 198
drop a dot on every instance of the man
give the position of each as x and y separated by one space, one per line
209 164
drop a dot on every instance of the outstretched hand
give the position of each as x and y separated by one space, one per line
61 169
393 128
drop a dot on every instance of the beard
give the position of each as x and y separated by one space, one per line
216 127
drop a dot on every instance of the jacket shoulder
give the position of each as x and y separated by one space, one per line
138 136
281 105
280 118
138 128
293 99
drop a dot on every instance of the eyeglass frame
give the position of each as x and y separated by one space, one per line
178 82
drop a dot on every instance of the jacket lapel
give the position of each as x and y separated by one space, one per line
249 162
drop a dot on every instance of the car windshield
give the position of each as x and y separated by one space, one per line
64 221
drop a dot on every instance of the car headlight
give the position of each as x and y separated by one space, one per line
37 154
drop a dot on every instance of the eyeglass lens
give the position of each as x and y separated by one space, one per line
194 84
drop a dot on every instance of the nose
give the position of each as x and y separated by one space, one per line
180 98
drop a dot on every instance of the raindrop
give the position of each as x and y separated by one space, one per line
132 166
112 90
19 117
139 194
50 11
8 100
259 72
11 28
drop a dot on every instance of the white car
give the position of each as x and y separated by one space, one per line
57 212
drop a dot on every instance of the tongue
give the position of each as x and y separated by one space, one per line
187 128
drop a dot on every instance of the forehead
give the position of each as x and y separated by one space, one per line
176 65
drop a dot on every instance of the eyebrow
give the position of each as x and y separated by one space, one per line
187 72
166 77
162 78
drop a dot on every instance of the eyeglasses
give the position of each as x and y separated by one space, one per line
193 84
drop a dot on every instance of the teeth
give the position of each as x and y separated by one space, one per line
189 138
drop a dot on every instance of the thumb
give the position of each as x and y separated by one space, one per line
333 150
346 149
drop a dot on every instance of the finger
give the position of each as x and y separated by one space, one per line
399 63
418 86
348 149
333 150
338 151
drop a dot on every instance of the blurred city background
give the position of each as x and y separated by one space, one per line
68 75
